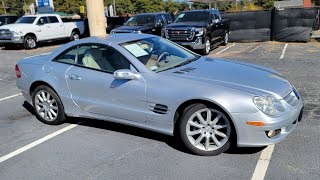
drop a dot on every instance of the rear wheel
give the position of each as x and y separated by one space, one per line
205 131
207 46
48 106
29 42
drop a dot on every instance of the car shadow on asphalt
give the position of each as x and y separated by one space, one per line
40 45
172 141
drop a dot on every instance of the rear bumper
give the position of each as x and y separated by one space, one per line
253 136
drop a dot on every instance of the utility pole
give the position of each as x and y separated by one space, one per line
96 18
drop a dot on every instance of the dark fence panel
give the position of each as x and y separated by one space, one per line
249 26
293 25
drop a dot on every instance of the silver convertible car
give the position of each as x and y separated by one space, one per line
149 82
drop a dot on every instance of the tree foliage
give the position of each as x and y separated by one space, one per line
124 7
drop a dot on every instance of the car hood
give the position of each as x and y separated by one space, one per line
13 27
254 79
187 24
132 28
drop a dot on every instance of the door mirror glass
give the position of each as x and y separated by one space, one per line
126 74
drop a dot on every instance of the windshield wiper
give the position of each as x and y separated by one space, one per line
183 63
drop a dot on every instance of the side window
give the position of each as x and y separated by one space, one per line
159 20
43 20
216 16
68 56
101 58
53 19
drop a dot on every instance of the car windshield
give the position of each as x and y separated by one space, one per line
140 20
159 54
25 20
196 16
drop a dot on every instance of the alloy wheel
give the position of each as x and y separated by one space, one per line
31 43
46 105
208 46
208 129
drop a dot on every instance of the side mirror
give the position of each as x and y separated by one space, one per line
41 22
126 74
215 21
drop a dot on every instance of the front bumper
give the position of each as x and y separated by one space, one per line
195 45
11 40
254 136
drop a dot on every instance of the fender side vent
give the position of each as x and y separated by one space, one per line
159 108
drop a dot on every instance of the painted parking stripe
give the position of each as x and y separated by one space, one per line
225 49
9 97
35 143
284 51
255 48
263 163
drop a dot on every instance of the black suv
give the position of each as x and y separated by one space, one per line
150 23
198 30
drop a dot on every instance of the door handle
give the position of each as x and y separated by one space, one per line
74 77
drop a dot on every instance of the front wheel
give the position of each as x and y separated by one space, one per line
207 46
48 106
226 39
30 42
74 36
205 131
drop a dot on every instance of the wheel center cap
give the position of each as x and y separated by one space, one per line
208 129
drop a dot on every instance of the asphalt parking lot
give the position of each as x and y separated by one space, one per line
92 149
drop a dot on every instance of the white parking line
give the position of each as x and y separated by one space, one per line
225 49
5 98
284 51
35 143
255 48
263 163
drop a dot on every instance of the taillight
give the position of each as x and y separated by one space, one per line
18 73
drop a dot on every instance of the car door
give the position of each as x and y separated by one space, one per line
94 89
57 26
214 27
43 29
219 25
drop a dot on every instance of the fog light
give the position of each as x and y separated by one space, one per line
271 133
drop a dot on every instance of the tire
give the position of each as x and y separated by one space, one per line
49 111
30 42
225 38
207 47
74 35
200 137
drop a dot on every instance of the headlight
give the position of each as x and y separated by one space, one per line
199 31
16 33
268 105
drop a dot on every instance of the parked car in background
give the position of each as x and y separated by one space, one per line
31 29
7 19
149 82
198 30
150 23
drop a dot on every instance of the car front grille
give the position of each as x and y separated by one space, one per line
292 98
180 34
5 34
